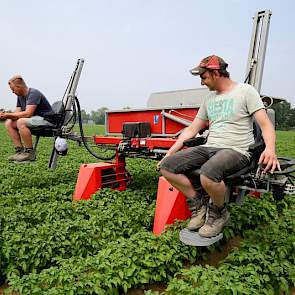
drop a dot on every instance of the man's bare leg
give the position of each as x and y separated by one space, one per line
180 182
216 190
25 132
197 203
13 133
28 154
218 215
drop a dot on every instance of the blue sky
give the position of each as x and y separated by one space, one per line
133 48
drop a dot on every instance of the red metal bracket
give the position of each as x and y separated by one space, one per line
95 176
171 205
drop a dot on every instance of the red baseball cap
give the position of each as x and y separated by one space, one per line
212 62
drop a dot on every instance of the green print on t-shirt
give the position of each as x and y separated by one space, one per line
221 109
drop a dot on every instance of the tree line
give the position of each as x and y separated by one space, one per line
97 117
285 115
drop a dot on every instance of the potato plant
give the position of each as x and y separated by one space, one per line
51 245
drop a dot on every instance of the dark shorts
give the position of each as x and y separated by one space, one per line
215 163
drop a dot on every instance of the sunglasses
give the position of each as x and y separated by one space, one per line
202 76
207 71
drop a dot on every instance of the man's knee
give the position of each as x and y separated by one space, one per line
9 124
22 123
170 176
166 173
206 181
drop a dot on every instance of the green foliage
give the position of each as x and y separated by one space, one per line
98 116
124 263
48 230
51 245
286 146
285 115
263 265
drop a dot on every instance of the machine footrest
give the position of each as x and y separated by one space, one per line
194 239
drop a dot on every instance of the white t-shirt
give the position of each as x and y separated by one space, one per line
230 117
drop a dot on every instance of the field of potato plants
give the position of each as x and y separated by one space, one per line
51 245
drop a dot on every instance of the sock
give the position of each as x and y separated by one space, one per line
194 202
28 150
18 149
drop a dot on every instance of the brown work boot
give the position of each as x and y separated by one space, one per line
18 150
27 155
198 207
217 219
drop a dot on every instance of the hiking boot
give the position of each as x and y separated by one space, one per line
217 219
27 155
198 207
18 150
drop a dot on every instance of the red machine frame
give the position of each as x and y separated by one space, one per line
165 125
93 177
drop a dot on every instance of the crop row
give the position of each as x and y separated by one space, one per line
263 265
49 245
35 235
127 262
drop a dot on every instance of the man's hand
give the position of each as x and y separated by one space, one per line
2 115
269 159
159 163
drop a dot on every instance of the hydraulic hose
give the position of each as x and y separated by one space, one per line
83 138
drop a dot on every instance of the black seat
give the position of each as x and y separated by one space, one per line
59 118
255 149
56 118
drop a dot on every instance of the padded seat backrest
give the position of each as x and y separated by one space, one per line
58 107
55 117
256 149
256 129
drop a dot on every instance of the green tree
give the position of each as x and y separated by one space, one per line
285 115
84 115
99 116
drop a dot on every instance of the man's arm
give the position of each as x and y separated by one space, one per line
28 113
3 114
268 156
189 132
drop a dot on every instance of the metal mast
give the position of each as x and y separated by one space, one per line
69 96
257 48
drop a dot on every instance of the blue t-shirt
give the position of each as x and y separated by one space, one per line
34 97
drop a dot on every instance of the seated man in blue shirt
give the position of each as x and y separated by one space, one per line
31 107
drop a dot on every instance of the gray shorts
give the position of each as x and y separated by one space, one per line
215 163
37 121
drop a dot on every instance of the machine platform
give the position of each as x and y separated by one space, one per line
192 238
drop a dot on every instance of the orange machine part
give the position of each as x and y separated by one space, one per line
171 205
93 177
89 180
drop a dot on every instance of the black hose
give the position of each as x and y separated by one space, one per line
83 138
72 119
247 79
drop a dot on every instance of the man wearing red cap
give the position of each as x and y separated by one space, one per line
230 109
